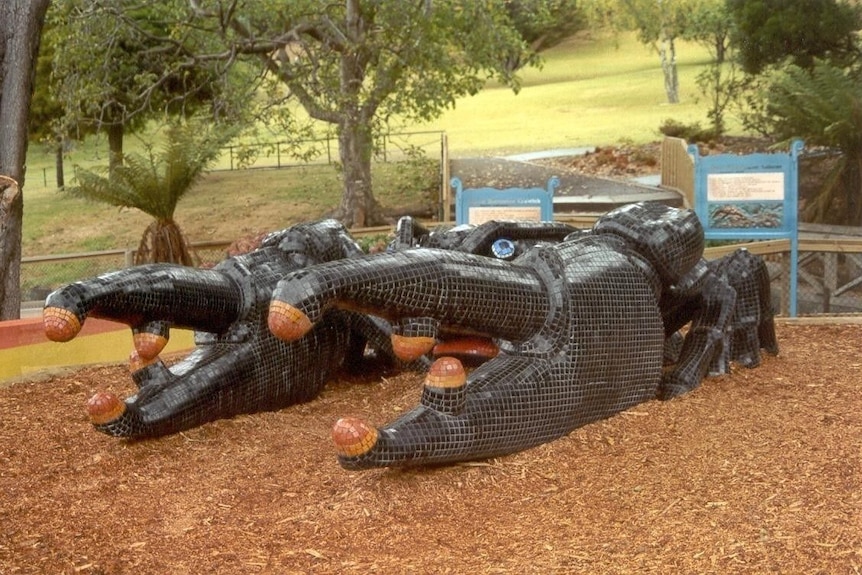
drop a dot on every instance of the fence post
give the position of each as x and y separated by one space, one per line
677 168
445 189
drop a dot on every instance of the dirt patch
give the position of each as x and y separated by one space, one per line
755 472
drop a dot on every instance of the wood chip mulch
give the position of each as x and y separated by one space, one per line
759 471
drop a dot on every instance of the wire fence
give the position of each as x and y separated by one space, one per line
42 274
277 154
390 147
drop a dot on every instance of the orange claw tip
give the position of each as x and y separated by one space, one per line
149 345
408 348
104 408
353 437
137 362
60 324
286 322
447 373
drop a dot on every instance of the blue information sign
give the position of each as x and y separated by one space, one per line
750 197
477 205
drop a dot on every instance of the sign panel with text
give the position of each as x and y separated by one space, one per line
750 197
479 205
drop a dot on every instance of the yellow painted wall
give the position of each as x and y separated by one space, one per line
107 347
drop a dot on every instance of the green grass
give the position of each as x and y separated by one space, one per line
589 92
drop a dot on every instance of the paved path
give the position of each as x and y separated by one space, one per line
577 192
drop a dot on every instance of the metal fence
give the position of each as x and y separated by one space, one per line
391 147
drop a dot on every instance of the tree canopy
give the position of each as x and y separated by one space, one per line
355 65
543 24
770 31
132 74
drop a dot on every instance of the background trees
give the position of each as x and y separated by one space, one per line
115 77
660 24
543 24
770 31
354 65
358 64
804 61
824 106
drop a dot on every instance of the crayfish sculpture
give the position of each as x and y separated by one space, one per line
579 325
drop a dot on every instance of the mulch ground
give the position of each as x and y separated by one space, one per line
759 471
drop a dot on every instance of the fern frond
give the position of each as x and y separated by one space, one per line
821 105
154 183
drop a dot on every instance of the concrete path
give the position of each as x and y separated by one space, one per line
577 192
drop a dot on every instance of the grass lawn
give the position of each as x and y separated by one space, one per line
589 92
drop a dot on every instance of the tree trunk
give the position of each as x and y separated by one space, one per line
720 50
358 207
58 163
667 52
115 145
20 31
852 180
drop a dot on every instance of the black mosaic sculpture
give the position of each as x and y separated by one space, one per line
583 326
238 366
581 322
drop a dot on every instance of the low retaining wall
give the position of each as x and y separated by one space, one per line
24 349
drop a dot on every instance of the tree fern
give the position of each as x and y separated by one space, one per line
155 182
823 106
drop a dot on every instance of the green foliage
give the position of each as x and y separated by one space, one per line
374 243
660 25
823 107
709 23
692 132
768 32
135 68
542 24
155 182
359 63
45 108
723 85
